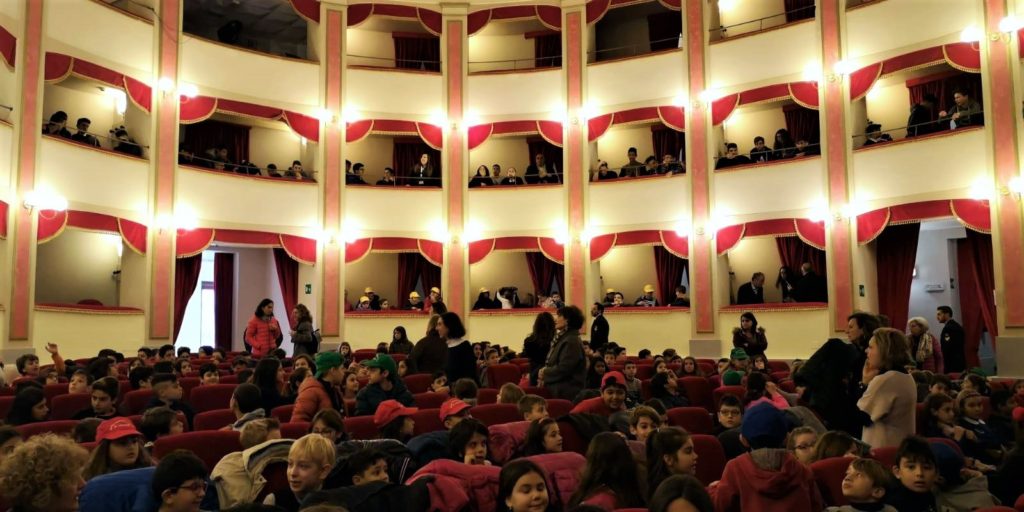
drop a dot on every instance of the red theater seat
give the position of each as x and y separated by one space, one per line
275 476
493 414
209 445
706 368
135 401
427 420
52 390
229 379
776 365
644 371
694 420
886 455
698 392
562 472
64 407
5 406
294 430
213 420
829 474
361 427
418 383
711 458
499 374
533 390
486 396
59 427
719 392
187 385
430 400
572 441
557 407
212 397
284 413
948 442
363 354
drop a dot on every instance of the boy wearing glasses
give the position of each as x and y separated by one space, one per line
179 482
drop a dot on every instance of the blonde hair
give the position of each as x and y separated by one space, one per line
256 431
315 448
919 320
893 347
32 476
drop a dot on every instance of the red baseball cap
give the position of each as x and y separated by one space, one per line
613 379
388 410
116 428
452 407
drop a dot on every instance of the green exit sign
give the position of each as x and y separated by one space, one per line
309 288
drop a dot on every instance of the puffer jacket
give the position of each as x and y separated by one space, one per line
239 475
562 471
314 396
479 482
400 462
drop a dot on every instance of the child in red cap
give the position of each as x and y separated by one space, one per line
394 420
612 399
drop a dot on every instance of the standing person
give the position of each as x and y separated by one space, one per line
749 336
890 399
43 475
263 332
565 370
303 338
752 292
786 283
538 343
952 340
925 348
422 173
599 328
811 287
400 343
921 120
965 112
461 360
431 352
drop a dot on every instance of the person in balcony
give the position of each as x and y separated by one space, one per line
364 304
669 165
126 144
422 173
185 155
296 171
651 167
921 121
604 174
761 152
82 135
804 148
873 134
682 300
647 300
811 287
248 168
57 125
482 178
752 292
786 283
966 112
731 158
784 146
633 167
389 178
540 171
512 177
414 303
355 175
496 174
484 301
272 171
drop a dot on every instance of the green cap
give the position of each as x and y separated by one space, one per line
326 361
384 362
732 378
738 353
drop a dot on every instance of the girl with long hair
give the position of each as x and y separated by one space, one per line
522 487
400 343
29 407
543 436
610 478
669 452
538 343
269 376
302 335
263 333
120 447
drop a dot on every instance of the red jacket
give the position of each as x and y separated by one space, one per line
262 335
745 486
594 405
313 398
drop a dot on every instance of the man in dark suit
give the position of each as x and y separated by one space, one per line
752 292
952 339
599 328
811 287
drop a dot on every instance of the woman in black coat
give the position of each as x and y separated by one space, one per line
461 360
538 343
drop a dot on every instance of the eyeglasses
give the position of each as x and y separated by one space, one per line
195 488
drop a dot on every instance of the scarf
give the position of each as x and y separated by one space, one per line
924 349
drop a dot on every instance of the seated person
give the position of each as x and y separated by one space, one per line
965 112
296 171
731 158
167 392
804 148
465 389
541 171
611 400
57 125
384 384
85 431
959 488
179 482
208 374
533 407
512 177
604 174
542 436
160 422
389 178
104 396
434 445
864 486
82 135
729 419
634 388
665 387
873 134
482 178
761 153
247 405
632 168
355 177
28 364
273 172
682 300
257 432
916 477
670 165
394 421
642 421
368 465
120 448
79 383
467 442
126 144
651 166
647 299
310 460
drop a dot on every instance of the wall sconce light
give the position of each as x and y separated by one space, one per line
44 200
841 69
971 34
327 237
981 189
165 85
684 227
1014 187
325 116
188 91
472 231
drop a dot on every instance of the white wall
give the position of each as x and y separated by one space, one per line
746 123
375 152
486 50
78 265
504 151
379 47
612 146
278 146
627 269
936 265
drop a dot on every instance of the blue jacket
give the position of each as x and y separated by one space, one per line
129 491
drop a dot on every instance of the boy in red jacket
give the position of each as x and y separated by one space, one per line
769 478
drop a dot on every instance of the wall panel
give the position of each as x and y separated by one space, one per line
637 80
648 203
101 35
227 200
94 180
755 58
884 27
762 190
380 211
510 211
528 95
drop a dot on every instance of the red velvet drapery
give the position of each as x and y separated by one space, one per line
977 282
802 123
186 277
663 30
552 154
412 269
208 134
422 53
670 270
799 10
942 86
668 142
545 274
406 154
896 252
288 278
223 298
547 51
795 252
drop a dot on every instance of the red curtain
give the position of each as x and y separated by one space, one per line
547 51
422 52
288 278
545 274
795 252
663 30
896 252
802 123
223 298
406 154
799 10
186 277
412 269
668 142
208 134
552 154
942 86
977 283
670 273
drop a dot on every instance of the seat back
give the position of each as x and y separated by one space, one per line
572 441
64 407
694 420
275 475
137 420
486 396
361 427
493 414
499 374
948 442
644 371
283 413
59 427
213 420
562 471
208 445
479 482
506 439
539 391
719 392
6 402
698 392
135 401
187 385
558 407
212 397
710 457
229 379
829 474
777 365
706 368
885 454
430 400
418 382
52 390
294 430
427 420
